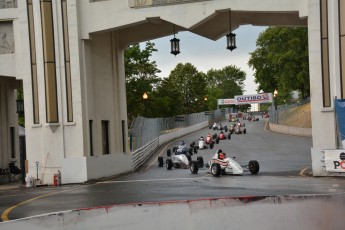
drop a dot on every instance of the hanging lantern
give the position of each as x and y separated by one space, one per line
20 106
175 45
230 37
231 41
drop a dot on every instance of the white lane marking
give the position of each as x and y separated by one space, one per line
150 180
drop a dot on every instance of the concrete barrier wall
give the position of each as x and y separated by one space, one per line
81 169
281 212
297 131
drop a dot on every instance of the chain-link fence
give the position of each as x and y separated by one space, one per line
144 130
292 115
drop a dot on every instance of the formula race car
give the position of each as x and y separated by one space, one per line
202 144
222 136
239 130
180 158
209 141
219 164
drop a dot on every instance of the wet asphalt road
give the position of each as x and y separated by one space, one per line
284 160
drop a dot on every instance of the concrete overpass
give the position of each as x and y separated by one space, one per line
68 55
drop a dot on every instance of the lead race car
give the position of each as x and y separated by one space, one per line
180 157
219 164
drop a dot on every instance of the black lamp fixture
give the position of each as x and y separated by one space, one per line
175 45
230 37
20 101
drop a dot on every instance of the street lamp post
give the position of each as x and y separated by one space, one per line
205 99
145 97
276 104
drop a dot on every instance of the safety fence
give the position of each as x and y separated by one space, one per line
291 115
144 130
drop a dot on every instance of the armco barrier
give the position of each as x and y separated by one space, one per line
266 213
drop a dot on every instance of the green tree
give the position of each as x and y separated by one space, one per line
186 88
224 83
280 61
140 77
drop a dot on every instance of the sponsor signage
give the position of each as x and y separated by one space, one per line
148 3
335 160
226 101
254 98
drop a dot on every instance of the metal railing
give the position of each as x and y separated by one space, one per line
287 115
144 130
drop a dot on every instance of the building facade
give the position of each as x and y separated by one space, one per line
68 55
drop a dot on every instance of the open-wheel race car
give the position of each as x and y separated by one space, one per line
220 164
180 157
208 140
240 130
223 136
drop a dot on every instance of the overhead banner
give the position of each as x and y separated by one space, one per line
226 101
254 98
335 160
340 111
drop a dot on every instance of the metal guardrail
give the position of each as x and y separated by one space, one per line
140 156
144 130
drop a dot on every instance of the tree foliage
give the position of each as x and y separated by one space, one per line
141 76
184 91
280 61
224 83
186 87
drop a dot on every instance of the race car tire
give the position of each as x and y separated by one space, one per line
169 152
200 161
195 149
217 140
229 136
253 167
211 145
160 161
190 151
244 131
214 136
194 167
169 164
244 125
215 169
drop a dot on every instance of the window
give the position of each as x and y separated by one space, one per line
91 138
105 137
326 92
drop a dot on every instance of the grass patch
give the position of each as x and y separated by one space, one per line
297 117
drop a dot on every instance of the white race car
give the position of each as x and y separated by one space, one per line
220 164
181 158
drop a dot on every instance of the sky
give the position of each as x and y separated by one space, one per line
206 54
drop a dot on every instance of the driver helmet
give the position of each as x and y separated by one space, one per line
219 151
201 138
182 143
222 156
